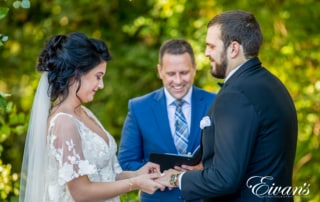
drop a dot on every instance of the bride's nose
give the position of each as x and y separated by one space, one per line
101 84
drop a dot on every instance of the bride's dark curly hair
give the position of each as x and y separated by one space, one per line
69 56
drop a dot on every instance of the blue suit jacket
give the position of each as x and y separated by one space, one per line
251 142
147 130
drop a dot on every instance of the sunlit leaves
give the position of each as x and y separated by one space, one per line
11 122
134 30
8 181
3 13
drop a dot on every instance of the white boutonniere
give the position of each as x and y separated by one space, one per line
205 122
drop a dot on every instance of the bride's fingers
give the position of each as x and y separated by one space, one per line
154 175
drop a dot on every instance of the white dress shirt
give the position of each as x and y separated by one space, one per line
171 108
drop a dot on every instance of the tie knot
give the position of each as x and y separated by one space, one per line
178 103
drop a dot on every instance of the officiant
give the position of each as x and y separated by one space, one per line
166 120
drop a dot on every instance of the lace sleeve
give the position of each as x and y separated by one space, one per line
65 150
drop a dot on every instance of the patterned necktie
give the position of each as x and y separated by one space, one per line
181 128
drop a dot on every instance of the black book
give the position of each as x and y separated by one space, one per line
168 160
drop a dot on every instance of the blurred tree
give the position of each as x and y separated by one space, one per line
134 30
11 123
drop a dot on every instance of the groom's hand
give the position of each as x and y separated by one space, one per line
169 178
184 168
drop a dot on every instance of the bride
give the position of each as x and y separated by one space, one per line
68 155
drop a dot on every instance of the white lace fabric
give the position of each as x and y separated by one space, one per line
74 150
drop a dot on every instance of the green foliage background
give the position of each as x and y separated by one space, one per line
134 30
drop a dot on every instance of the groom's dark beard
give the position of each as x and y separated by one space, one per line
221 68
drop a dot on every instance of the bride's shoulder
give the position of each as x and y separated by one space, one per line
61 118
60 115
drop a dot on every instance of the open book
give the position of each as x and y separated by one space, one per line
168 160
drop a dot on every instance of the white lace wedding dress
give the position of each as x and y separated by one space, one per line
76 152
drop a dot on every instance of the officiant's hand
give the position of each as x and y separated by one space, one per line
184 168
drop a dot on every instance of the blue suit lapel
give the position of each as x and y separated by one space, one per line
198 107
161 116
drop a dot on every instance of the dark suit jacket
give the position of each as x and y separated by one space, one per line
147 130
251 141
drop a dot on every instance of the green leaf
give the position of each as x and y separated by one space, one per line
21 118
13 119
3 12
3 102
4 132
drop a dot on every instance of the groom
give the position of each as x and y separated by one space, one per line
249 135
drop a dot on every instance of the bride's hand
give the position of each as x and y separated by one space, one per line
147 183
148 168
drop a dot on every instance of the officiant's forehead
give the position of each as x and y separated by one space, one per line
176 47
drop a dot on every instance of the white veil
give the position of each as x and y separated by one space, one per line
32 183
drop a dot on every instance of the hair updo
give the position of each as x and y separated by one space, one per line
70 56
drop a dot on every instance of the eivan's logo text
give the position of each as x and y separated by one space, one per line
263 186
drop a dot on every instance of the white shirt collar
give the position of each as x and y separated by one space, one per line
170 99
232 72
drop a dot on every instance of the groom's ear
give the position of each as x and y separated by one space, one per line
235 49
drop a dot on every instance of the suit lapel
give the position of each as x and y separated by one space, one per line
161 116
249 65
198 107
